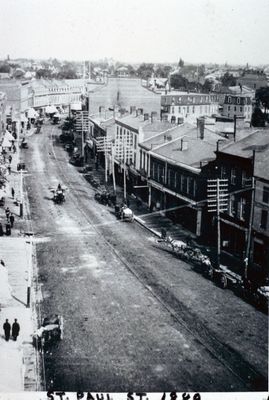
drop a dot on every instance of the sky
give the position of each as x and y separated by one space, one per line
200 31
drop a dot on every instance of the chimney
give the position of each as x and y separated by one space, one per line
201 127
146 117
154 116
184 145
132 109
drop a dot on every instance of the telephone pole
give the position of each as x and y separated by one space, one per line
217 200
82 126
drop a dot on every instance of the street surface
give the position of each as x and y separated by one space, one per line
135 317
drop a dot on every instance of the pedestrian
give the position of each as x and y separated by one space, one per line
9 169
163 233
11 219
10 158
7 213
12 193
7 328
15 329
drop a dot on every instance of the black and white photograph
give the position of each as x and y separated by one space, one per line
134 199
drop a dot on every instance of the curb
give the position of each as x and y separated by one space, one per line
142 223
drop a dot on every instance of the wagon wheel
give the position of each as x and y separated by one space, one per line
223 281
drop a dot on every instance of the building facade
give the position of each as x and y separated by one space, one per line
239 106
244 226
182 106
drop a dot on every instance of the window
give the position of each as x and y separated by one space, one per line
233 206
243 209
229 100
188 109
172 110
244 178
169 177
193 109
264 217
179 110
238 100
229 108
223 172
234 108
233 176
175 180
241 109
265 195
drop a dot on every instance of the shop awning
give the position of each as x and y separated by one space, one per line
76 107
51 110
32 113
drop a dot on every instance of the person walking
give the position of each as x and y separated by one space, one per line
15 329
12 193
9 169
11 219
7 329
7 213
10 158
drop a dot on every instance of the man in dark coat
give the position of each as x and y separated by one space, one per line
7 328
15 329
11 219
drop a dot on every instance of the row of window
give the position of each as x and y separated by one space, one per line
240 108
175 180
191 99
193 109
234 176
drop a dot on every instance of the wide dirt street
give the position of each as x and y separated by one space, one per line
135 317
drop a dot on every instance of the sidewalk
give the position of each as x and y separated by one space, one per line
18 367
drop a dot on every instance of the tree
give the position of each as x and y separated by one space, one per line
258 118
177 81
181 63
163 71
228 80
5 68
262 97
43 73
145 70
68 71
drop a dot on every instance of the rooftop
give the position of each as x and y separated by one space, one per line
149 127
257 140
261 165
194 151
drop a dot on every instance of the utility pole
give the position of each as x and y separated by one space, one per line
104 145
250 226
217 199
21 177
82 126
30 266
247 256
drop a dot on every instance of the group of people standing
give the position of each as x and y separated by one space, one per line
15 330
